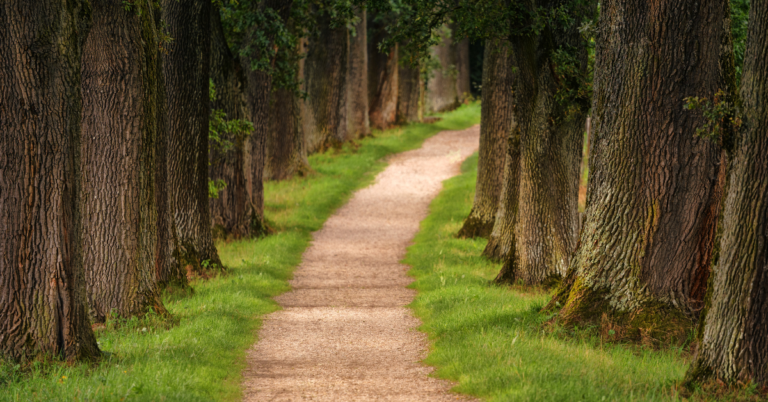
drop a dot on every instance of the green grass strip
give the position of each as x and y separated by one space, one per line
201 358
490 339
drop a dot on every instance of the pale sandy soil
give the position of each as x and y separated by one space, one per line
344 333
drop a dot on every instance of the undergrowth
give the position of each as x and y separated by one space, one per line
494 341
200 353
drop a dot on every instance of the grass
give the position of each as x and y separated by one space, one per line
492 340
201 354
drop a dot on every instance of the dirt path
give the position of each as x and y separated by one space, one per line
344 333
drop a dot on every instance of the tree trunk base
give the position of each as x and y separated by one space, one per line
653 324
188 258
475 227
697 373
510 275
259 227
492 250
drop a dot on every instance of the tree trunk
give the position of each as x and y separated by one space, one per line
187 70
286 149
441 85
229 212
120 135
358 124
42 281
495 128
286 153
734 342
551 140
259 90
502 242
408 93
325 81
461 49
383 79
654 187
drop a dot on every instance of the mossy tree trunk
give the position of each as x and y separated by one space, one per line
44 308
358 124
122 128
734 340
325 81
259 92
654 187
496 118
441 85
383 78
229 212
186 67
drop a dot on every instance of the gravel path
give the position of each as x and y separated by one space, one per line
344 333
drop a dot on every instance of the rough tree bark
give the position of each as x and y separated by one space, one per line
186 67
121 127
43 307
230 211
734 340
325 81
441 86
654 186
408 92
383 78
496 118
551 140
358 124
502 242
259 90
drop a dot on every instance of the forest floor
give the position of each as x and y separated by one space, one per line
344 333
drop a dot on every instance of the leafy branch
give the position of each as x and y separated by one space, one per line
718 113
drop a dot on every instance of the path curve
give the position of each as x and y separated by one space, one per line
344 333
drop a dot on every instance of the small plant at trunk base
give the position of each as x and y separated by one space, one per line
718 112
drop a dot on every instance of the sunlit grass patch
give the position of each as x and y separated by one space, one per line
201 358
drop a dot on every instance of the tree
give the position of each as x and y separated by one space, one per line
286 152
653 198
441 85
122 134
42 284
286 144
461 50
258 51
502 243
383 74
733 337
409 91
495 129
358 124
230 211
186 67
551 102
325 82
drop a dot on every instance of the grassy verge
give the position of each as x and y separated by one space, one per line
490 339
201 356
